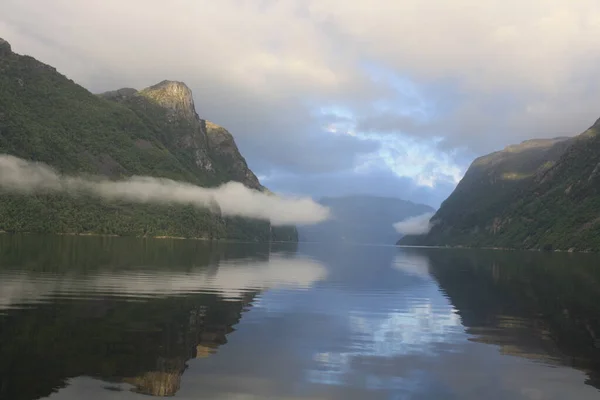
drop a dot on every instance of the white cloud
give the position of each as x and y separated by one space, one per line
230 199
412 264
418 225
420 160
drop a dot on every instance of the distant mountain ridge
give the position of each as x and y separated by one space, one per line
541 194
361 219
46 117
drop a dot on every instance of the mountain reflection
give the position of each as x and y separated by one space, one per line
543 307
126 311
107 318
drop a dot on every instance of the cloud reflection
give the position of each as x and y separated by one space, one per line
412 264
414 322
230 281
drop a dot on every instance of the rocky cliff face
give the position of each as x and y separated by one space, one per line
212 147
177 100
225 152
174 96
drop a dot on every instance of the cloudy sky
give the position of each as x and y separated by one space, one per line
331 97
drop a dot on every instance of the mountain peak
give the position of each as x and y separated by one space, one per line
174 95
5 48
171 85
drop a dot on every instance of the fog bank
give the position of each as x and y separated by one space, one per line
419 225
231 199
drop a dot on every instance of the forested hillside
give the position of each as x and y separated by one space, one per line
44 116
541 194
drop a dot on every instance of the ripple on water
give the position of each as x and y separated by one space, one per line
364 322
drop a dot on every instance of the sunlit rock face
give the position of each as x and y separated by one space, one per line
212 147
175 96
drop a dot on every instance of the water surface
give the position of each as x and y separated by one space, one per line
118 318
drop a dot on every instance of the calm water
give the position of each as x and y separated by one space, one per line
113 318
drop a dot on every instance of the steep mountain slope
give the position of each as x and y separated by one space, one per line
362 219
46 117
553 202
492 183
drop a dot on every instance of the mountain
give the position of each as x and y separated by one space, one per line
541 194
361 219
44 116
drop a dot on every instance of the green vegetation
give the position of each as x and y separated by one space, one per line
554 205
46 117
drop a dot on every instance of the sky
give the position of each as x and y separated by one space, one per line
332 97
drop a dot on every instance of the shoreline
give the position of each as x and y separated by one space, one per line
161 237
496 248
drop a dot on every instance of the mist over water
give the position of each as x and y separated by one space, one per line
419 225
230 199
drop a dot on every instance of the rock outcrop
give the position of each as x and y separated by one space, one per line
212 147
223 149
5 49
175 96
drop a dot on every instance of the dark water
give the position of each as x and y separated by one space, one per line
112 318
